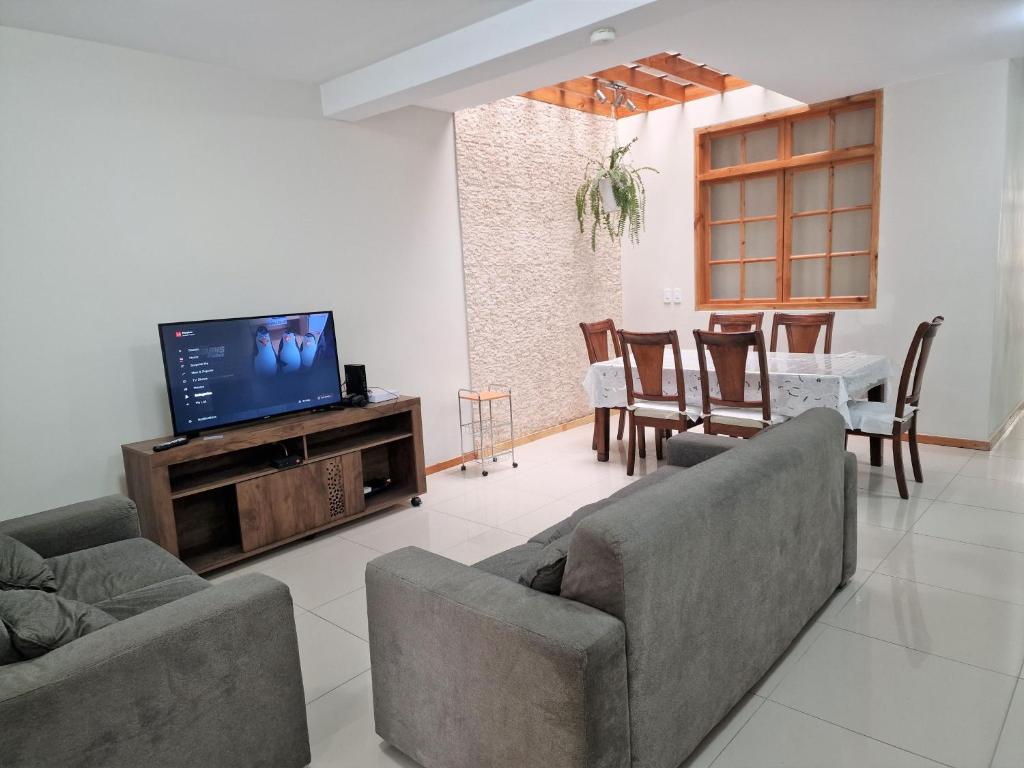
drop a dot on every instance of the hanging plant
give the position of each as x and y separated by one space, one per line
613 194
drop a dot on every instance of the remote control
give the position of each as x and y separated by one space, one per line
170 444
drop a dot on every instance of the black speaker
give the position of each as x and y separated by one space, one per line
355 380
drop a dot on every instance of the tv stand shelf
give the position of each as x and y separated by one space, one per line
218 499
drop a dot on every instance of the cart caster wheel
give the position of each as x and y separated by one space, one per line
463 467
485 473
514 465
494 459
416 501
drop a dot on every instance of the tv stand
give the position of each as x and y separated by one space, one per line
217 501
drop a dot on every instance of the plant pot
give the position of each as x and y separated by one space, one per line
604 186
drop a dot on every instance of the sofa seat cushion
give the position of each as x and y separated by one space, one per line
23 568
567 526
101 573
153 596
512 563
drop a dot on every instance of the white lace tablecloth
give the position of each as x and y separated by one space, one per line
798 382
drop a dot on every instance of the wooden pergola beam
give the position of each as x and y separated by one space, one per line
679 67
587 86
561 98
641 81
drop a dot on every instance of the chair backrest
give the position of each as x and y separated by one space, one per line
596 336
729 355
647 352
802 331
913 367
736 323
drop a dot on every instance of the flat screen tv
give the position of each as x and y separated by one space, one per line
224 372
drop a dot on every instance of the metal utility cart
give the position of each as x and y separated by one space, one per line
483 433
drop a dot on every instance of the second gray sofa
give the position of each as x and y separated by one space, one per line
679 593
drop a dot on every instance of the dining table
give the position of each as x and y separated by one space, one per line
797 383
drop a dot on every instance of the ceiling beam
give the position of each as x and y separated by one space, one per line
676 66
642 81
587 86
560 98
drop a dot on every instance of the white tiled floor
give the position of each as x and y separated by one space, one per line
917 662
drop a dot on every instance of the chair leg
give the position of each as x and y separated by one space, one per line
659 437
593 445
631 449
915 457
897 464
622 422
641 441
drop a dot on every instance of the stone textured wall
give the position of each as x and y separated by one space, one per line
530 275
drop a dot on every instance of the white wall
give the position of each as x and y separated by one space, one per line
943 151
136 189
1008 342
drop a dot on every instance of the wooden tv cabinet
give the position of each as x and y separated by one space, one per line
218 499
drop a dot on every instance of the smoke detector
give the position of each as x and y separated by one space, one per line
602 36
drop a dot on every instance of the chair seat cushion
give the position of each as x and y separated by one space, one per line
105 572
876 418
742 417
511 563
146 598
653 409
23 568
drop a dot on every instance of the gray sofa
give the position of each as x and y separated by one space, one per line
679 593
191 675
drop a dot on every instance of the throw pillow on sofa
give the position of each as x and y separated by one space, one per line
23 568
8 655
544 573
39 622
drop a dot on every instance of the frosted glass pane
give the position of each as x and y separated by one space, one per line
808 277
851 231
725 201
855 128
763 145
760 280
851 275
760 237
810 190
809 234
725 151
725 281
761 196
852 185
725 241
810 135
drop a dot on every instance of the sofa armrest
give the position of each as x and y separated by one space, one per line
849 517
470 669
687 449
211 679
78 526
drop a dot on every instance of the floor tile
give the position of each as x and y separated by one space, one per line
492 504
975 525
940 709
975 630
934 458
983 492
874 544
779 737
884 485
341 733
539 519
995 467
1010 753
422 527
994 573
347 612
328 655
808 635
890 511
841 597
483 545
723 733
1014 448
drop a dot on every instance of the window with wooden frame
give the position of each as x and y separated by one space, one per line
786 210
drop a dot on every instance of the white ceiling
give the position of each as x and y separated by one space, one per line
306 40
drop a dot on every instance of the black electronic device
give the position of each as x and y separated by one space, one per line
283 462
355 380
355 401
170 444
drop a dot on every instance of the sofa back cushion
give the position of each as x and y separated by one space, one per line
23 568
714 572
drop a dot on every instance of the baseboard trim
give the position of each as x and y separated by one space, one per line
504 446
955 442
1007 424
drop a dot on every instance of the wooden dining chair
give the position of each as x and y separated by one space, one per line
596 335
649 406
892 421
735 323
802 331
731 413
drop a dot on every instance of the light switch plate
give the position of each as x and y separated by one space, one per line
677 296
668 296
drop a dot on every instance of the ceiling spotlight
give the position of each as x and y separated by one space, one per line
602 36
600 96
630 105
619 98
